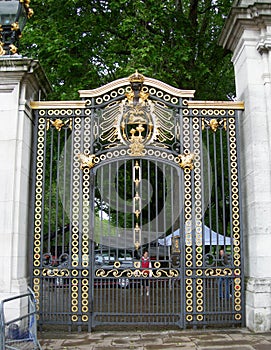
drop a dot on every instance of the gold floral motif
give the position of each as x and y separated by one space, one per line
86 161
186 161
59 123
15 26
143 96
214 123
136 147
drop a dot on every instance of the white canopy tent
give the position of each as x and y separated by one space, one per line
210 237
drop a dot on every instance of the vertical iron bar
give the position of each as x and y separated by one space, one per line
224 227
216 183
64 191
56 199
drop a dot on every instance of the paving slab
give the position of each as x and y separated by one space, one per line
226 347
220 339
262 347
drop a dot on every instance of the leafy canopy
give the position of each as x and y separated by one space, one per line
83 44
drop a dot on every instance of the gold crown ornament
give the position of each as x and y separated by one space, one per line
136 78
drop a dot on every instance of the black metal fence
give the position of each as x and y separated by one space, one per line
116 175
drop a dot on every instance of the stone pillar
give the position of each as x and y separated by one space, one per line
247 33
21 80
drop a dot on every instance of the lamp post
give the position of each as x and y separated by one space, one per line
13 16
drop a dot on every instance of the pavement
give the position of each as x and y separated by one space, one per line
211 339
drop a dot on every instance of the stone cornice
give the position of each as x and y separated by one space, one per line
14 69
254 17
57 104
216 104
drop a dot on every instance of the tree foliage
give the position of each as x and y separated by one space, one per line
83 44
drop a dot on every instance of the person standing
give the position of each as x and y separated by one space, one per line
223 281
145 264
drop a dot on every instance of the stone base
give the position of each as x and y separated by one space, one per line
258 304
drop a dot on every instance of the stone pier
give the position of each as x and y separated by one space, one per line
21 80
247 33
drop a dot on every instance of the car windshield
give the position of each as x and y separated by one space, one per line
106 257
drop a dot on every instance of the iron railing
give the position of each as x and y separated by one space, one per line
18 323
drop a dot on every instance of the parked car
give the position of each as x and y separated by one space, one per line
105 261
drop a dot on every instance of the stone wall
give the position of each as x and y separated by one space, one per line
247 34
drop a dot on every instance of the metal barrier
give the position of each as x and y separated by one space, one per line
18 323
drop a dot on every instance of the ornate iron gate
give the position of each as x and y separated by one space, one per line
137 165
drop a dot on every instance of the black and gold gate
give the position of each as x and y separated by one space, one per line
137 165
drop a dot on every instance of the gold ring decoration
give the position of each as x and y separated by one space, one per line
74 317
117 264
84 318
189 318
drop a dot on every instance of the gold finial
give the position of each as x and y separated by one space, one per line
136 77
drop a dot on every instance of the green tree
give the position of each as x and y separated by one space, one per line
83 44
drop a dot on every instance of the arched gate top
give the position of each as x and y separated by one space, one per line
123 84
147 81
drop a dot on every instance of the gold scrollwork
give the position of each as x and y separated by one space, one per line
114 272
55 272
171 273
218 272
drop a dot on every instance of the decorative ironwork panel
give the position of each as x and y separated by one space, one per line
137 165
